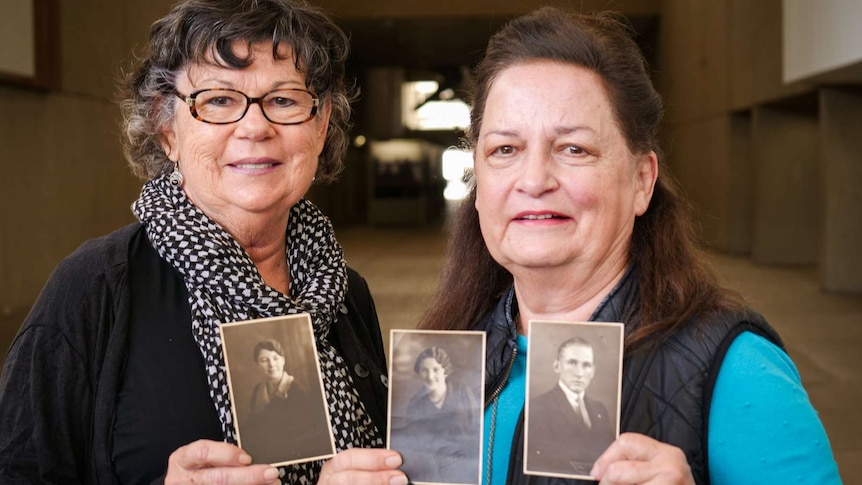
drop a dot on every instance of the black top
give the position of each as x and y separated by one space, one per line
67 370
164 400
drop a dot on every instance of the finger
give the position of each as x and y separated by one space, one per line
636 458
363 466
245 475
634 446
208 454
368 459
647 473
361 477
629 446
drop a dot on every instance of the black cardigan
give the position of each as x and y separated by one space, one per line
58 390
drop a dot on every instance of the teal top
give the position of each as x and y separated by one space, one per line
509 400
762 427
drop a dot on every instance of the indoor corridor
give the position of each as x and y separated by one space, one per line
823 332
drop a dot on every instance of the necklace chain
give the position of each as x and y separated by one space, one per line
491 441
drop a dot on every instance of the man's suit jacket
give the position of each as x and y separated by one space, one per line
558 441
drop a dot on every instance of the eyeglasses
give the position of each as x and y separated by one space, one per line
223 106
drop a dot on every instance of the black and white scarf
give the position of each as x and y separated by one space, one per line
225 286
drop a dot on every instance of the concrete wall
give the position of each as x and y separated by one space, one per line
772 168
64 179
840 146
716 61
352 9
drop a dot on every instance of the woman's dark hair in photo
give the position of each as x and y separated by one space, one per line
437 354
268 344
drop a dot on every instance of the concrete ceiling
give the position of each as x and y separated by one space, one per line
437 42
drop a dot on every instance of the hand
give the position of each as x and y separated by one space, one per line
216 463
363 466
638 459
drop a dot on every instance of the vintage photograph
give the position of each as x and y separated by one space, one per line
574 377
436 391
279 406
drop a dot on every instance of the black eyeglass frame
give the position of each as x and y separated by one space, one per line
190 102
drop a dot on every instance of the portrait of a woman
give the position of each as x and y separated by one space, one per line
441 439
277 383
284 416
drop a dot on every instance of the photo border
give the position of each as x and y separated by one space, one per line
284 320
395 339
533 324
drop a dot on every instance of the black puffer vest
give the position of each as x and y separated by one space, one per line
666 392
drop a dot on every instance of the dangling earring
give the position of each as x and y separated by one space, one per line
176 178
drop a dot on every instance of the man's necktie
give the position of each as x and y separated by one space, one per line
582 409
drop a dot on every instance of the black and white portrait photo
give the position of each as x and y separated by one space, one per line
280 411
435 404
573 394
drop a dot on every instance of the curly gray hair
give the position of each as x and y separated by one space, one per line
205 31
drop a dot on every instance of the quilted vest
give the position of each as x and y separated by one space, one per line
666 391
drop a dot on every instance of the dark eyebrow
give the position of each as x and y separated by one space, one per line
565 130
503 133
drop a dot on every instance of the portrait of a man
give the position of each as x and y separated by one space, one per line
569 428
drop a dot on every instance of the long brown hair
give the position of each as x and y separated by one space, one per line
674 282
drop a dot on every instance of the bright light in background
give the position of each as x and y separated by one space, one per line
455 164
443 115
447 114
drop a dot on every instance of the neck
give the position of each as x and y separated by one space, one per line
275 381
436 396
263 239
558 296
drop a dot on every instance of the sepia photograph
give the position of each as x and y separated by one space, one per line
280 410
574 378
436 395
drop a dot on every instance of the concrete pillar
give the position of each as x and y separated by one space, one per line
382 103
740 197
841 162
787 207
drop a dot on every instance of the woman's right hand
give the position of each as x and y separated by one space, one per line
216 463
641 460
363 466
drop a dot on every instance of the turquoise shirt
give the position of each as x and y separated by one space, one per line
762 427
509 406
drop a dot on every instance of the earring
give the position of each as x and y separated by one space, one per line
176 178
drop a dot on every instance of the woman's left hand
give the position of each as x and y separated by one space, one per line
638 459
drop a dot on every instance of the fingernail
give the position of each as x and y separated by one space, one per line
245 459
270 473
595 471
398 480
393 461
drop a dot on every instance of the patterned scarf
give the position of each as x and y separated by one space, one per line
225 286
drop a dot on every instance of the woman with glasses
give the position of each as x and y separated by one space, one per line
117 375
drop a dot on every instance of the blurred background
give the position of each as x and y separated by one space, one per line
763 130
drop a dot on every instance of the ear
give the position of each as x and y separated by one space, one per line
168 141
645 176
557 366
324 111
